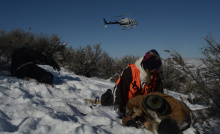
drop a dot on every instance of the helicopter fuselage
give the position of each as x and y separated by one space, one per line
127 22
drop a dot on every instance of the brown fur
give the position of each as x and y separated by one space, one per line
180 112
152 119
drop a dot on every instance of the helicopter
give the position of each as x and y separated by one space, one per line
126 22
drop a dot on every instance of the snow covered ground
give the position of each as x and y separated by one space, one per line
30 108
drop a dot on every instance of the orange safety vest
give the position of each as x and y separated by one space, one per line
135 85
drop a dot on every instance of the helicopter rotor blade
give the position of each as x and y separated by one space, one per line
122 15
140 12
126 15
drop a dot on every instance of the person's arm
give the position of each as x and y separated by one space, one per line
122 89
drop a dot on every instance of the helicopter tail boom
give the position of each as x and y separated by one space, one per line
106 23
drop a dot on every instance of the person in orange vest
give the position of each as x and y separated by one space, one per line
139 78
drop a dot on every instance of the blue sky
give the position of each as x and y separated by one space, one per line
164 24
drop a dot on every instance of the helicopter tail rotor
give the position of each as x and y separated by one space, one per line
105 22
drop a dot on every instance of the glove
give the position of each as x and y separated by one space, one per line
128 121
131 123
140 119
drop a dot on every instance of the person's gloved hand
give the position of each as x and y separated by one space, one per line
131 123
140 119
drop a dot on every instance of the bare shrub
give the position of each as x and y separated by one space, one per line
12 40
89 61
203 82
86 61
107 66
16 38
172 78
121 64
4 64
67 57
